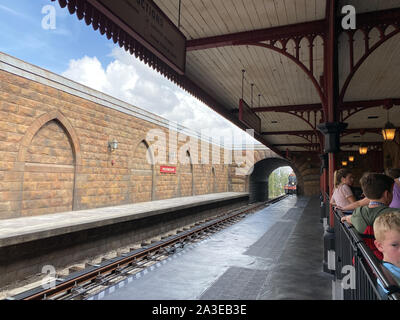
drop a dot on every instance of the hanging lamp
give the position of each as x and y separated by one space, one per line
363 149
389 131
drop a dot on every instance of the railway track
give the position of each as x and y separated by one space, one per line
85 283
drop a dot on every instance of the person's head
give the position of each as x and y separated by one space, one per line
377 186
344 176
387 235
393 172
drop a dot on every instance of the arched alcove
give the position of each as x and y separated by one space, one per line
142 173
186 181
213 181
49 158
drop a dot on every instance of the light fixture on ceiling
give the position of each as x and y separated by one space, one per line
344 163
389 131
363 149
351 158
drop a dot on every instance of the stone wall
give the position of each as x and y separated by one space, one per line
55 155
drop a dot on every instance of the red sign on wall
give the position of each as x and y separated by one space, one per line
165 169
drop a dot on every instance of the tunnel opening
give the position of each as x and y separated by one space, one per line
262 177
280 181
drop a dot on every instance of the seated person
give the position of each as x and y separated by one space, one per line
357 191
395 174
378 189
343 197
387 234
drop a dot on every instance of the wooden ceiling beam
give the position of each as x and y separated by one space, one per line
295 133
297 108
305 145
375 18
386 103
297 30
311 132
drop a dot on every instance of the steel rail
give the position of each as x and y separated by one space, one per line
128 259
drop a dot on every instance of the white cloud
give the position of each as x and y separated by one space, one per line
130 80
87 71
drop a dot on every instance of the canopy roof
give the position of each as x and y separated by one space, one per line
301 67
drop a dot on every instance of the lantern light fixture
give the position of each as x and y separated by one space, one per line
363 149
389 131
344 163
351 158
113 145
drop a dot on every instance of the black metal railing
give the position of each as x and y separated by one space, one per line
329 235
324 206
357 267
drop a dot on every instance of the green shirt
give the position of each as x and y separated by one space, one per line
363 217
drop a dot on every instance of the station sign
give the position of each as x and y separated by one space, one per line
148 24
248 117
166 169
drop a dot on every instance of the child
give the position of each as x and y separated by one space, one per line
378 189
343 197
387 234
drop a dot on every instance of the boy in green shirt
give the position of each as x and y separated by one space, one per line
378 188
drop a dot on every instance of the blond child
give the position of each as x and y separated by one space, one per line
387 235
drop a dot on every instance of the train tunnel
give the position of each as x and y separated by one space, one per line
258 179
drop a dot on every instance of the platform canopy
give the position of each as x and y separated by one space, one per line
289 64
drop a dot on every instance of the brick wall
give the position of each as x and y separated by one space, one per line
55 156
308 167
54 136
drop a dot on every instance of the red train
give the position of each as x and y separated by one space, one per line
291 187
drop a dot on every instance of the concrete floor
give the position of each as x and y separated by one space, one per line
24 229
275 253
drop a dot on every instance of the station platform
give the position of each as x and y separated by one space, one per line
275 253
29 243
14 231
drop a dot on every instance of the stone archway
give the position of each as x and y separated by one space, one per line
142 174
214 188
48 158
186 181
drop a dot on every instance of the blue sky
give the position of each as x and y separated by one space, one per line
76 51
22 36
